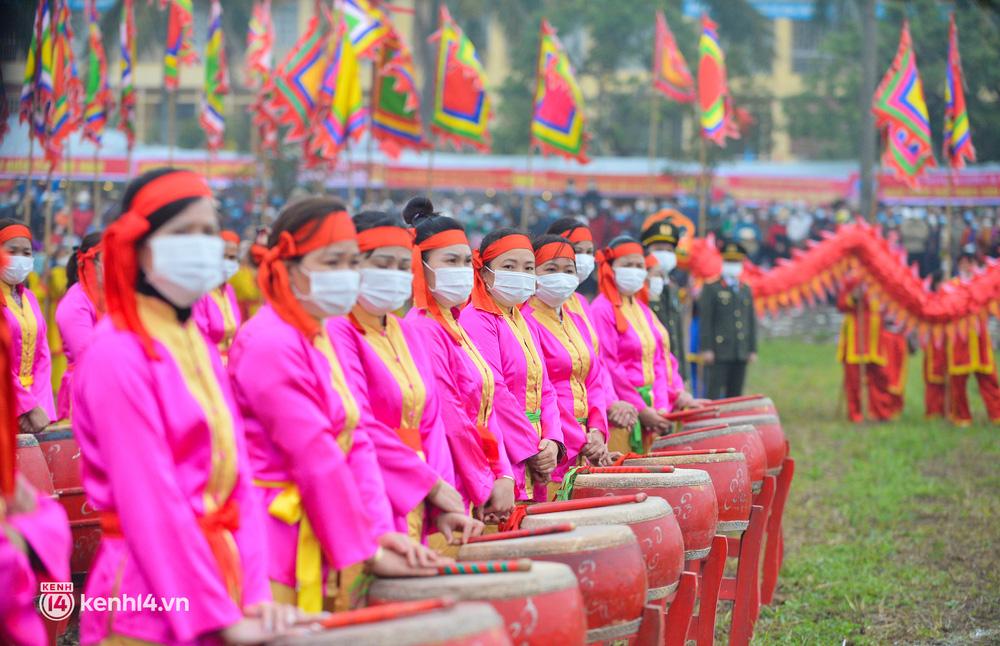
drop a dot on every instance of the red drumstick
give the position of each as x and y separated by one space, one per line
736 400
700 429
671 454
523 533
584 503
384 612
688 413
615 470
486 567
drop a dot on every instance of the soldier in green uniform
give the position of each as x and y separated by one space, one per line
660 239
727 326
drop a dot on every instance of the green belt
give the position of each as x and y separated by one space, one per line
534 416
565 492
635 439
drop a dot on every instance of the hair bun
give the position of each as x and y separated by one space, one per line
417 209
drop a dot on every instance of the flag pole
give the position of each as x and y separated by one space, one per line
528 206
96 188
654 127
430 167
31 170
946 232
702 184
171 123
369 150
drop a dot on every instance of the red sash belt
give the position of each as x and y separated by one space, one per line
218 528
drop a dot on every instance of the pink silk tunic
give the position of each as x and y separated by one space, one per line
634 358
572 366
162 445
460 387
675 384
400 400
504 350
294 416
218 317
76 318
407 478
578 305
45 530
30 359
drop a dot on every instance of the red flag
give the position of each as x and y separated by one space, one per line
671 75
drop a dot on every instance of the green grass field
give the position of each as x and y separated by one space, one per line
891 529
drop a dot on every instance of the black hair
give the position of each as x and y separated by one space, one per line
89 241
8 222
495 235
564 225
620 240
162 215
371 219
419 213
546 238
308 211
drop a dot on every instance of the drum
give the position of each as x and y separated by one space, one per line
688 491
30 461
728 471
746 405
539 607
607 562
63 456
769 428
744 439
463 624
653 523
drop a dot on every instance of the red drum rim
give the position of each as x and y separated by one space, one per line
544 577
582 539
651 508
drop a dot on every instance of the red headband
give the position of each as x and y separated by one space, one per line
85 269
606 278
230 236
422 297
385 237
272 275
14 231
579 234
553 250
121 267
481 298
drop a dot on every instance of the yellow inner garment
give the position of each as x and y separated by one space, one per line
26 321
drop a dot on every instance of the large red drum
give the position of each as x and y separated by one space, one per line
653 523
744 438
30 461
540 607
769 428
63 456
688 491
730 478
606 560
746 405
463 624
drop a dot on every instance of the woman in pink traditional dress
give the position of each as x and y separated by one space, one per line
164 460
524 399
399 375
569 355
31 362
308 436
442 283
656 279
78 311
217 314
632 350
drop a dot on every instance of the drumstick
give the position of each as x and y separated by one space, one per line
701 429
670 454
736 400
485 567
524 533
689 413
584 503
384 612
618 470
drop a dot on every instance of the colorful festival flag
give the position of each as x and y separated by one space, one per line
396 120
180 35
671 75
67 91
99 101
36 92
901 115
342 113
126 97
296 83
461 106
260 44
957 136
557 126
368 25
713 88
216 81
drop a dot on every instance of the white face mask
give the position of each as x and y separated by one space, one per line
385 290
554 289
655 287
230 267
513 287
452 285
17 269
186 267
584 265
732 269
334 292
629 279
667 260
